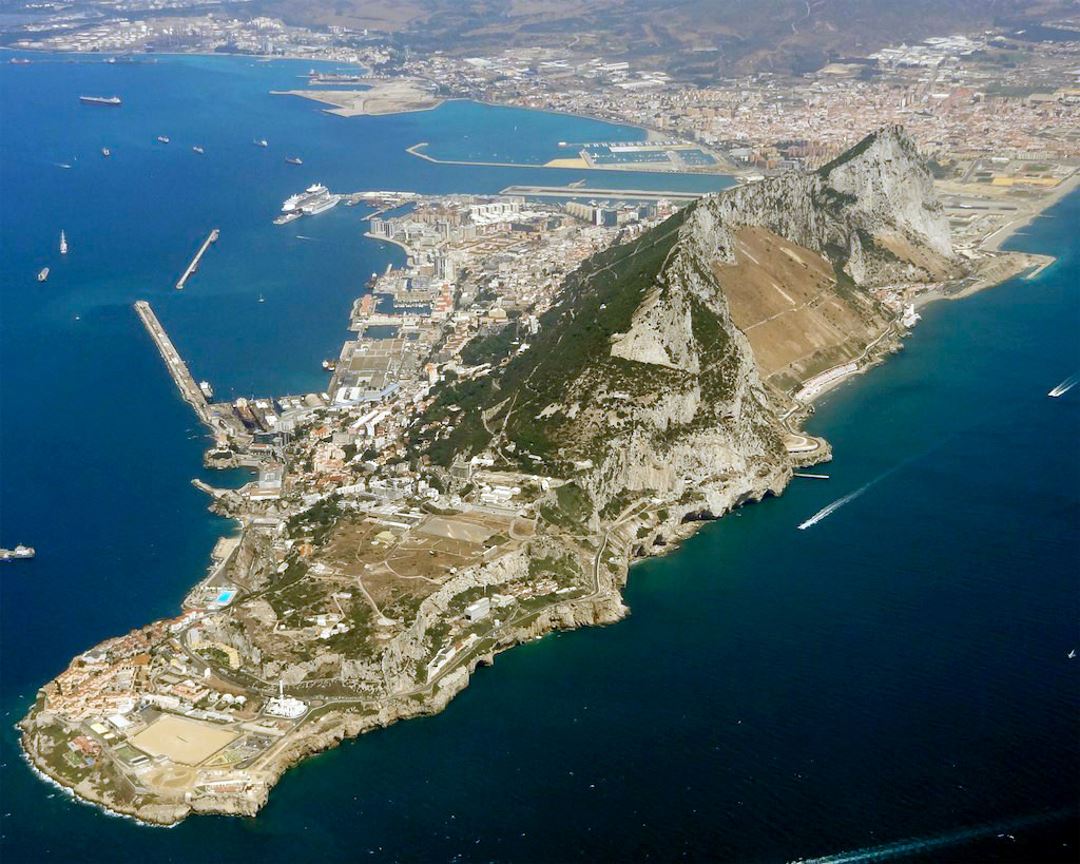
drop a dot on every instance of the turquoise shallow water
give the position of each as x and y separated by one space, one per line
896 671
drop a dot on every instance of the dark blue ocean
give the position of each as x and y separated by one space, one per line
891 683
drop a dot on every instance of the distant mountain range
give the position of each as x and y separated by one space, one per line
694 38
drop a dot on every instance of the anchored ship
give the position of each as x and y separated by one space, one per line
260 142
106 152
294 160
198 149
43 275
63 243
100 100
18 552
164 139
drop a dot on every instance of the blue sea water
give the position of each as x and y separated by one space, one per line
893 678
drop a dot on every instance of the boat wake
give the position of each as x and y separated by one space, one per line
829 509
887 851
1065 386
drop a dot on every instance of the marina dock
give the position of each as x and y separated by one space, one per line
175 364
194 265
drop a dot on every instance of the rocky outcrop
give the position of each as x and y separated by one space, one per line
879 186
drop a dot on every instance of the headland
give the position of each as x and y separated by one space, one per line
544 394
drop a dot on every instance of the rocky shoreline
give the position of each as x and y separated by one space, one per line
668 425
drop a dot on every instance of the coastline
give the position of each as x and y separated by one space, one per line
994 241
346 724
644 535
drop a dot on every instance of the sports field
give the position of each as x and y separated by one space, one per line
188 742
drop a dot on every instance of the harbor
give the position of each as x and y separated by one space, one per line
194 265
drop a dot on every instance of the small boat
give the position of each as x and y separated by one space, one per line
260 142
286 218
329 365
65 165
19 61
1072 654
164 139
63 243
198 149
43 275
262 299
18 552
294 160
106 152
100 100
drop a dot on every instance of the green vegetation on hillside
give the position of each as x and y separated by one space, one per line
598 300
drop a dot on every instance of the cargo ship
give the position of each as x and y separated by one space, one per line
198 149
17 553
100 100
63 243
164 139
294 160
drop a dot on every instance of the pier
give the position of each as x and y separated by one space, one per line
175 364
194 265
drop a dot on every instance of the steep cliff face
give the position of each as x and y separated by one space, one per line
646 379
872 211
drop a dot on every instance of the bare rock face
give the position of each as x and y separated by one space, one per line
880 187
678 410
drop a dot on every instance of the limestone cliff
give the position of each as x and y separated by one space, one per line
646 382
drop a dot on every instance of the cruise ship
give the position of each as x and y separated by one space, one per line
312 201
100 100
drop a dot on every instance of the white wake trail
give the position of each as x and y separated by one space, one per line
905 848
1065 386
836 505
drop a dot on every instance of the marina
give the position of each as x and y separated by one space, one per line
194 265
